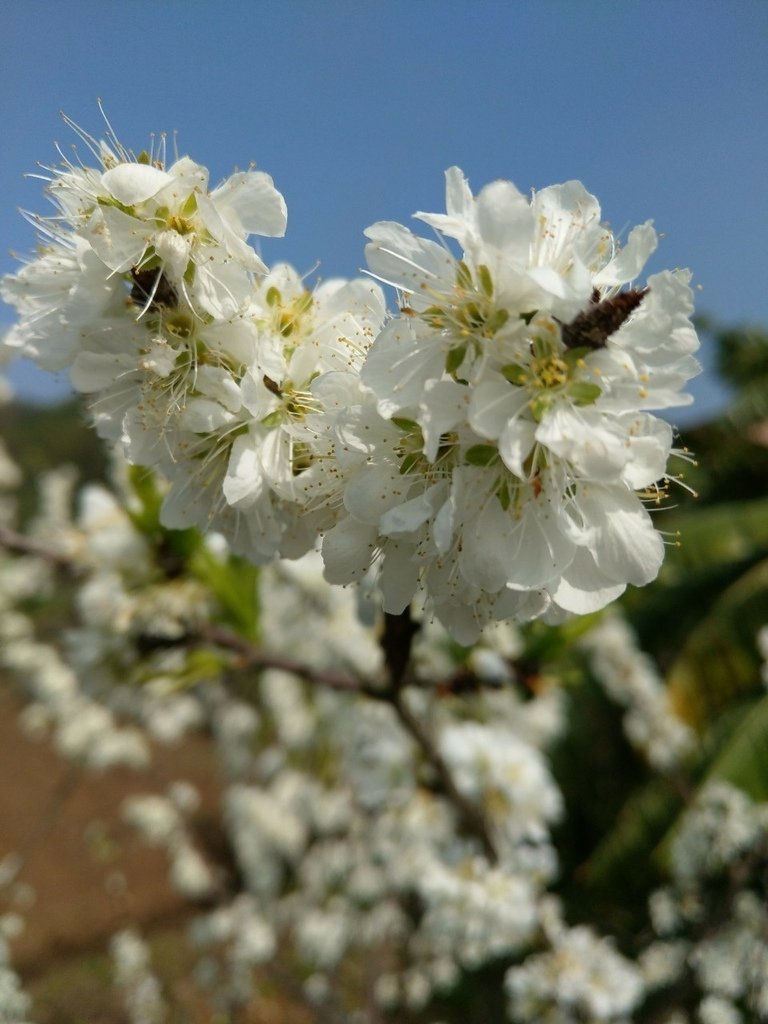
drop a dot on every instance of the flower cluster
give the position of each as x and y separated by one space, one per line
491 446
718 860
520 377
652 723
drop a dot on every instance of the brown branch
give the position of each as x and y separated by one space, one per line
251 656
473 817
398 634
396 642
23 545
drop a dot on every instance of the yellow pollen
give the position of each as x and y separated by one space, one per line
550 372
180 225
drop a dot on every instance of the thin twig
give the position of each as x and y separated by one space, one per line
251 656
23 545
397 640
473 817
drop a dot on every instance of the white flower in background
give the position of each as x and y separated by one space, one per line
506 775
519 375
141 989
722 826
580 978
630 677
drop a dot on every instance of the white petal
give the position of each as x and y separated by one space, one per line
251 195
347 550
504 220
400 258
118 239
627 547
398 578
444 407
515 445
405 518
134 183
372 492
494 402
459 221
583 588
203 416
244 481
397 368
631 259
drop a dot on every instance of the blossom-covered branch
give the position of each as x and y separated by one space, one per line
489 448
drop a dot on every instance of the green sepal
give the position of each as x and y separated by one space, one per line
406 425
481 454
410 462
528 317
539 406
573 356
273 419
581 392
305 302
111 201
189 209
474 315
496 320
505 496
515 374
455 358
463 275
150 260
486 281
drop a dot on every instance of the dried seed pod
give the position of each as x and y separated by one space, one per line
593 327
151 288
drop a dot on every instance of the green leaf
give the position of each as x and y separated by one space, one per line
644 819
743 759
719 659
720 535
235 584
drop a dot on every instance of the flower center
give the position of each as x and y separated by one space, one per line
288 315
467 316
549 372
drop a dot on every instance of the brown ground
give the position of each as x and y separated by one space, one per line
86 874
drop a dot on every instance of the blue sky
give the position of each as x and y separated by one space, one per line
356 108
